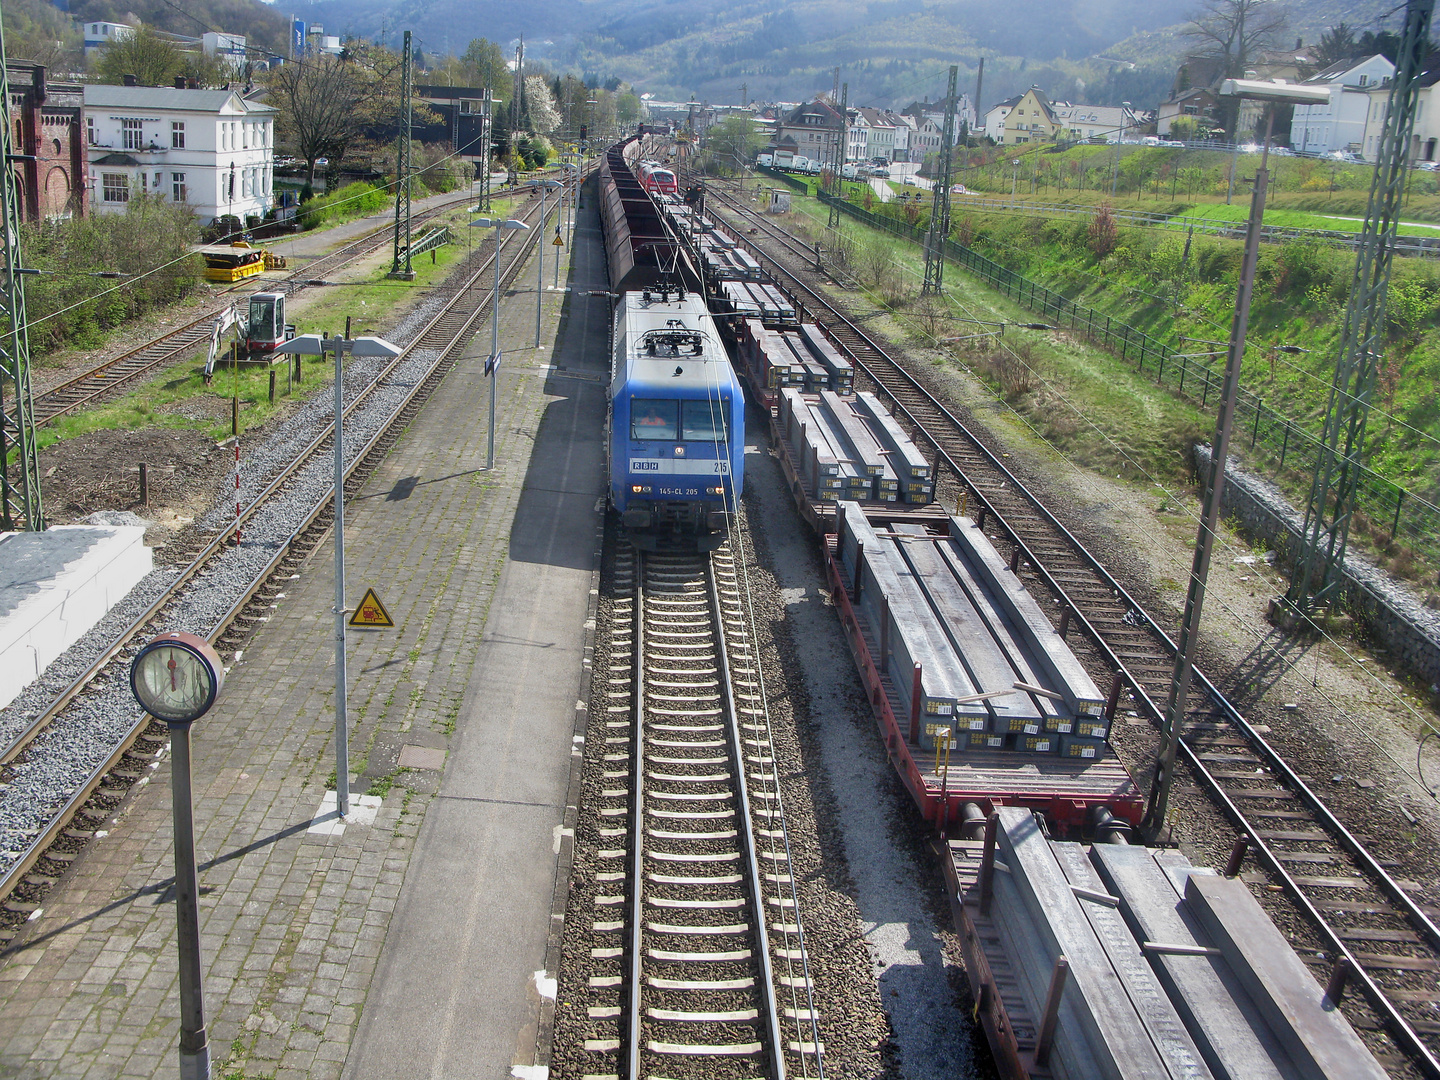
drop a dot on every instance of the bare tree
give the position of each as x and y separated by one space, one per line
325 103
1233 32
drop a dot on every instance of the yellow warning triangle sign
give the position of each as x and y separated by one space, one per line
371 612
557 242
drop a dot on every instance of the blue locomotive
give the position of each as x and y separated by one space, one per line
677 422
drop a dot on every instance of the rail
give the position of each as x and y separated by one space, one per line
475 287
1095 608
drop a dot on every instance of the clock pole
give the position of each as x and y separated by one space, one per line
194 1043
176 678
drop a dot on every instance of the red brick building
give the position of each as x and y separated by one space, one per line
49 124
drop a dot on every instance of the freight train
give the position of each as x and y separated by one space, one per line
1107 961
676 428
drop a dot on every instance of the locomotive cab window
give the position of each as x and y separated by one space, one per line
652 418
704 421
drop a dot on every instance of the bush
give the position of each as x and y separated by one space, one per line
148 243
350 201
1104 233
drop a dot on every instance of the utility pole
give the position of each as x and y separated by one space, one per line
1318 576
743 88
940 203
19 490
841 153
487 146
400 265
519 84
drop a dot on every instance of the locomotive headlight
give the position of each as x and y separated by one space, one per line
639 489
715 491
679 451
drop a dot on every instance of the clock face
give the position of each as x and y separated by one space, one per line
174 681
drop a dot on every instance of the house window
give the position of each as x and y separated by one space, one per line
116 187
133 133
245 130
90 130
177 186
1364 79
177 134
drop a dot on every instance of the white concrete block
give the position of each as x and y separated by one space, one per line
55 586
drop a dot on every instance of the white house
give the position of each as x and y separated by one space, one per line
1080 123
904 132
1339 124
102 33
210 149
879 134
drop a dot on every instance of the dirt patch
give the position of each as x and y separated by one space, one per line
101 471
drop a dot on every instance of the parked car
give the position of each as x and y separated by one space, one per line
765 160
959 189
1428 166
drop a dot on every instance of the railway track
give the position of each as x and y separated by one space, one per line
1383 929
90 386
700 951
245 578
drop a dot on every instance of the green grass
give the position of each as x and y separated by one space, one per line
180 399
1087 403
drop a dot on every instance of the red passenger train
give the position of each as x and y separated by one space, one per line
657 179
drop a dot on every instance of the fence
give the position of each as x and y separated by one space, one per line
1393 513
1275 234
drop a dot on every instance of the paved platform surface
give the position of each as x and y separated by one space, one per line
408 946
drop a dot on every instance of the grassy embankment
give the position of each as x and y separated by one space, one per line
180 399
1149 281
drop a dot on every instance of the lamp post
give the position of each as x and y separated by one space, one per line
1014 178
1115 165
1274 93
315 345
544 186
492 366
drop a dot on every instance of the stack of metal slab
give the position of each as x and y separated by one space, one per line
815 462
875 460
762 356
841 372
1033 691
929 681
917 480
1170 971
756 299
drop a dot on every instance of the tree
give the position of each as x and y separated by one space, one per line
41 32
541 112
152 59
1337 43
1104 233
1233 32
486 62
325 103
734 139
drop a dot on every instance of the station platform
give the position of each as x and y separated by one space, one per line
419 938
55 586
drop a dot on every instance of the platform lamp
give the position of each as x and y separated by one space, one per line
1273 93
544 186
492 365
315 345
